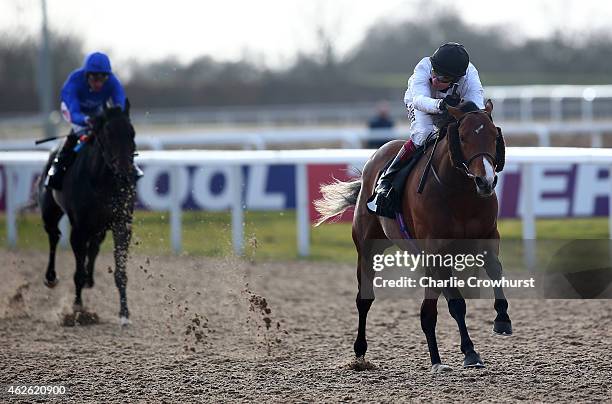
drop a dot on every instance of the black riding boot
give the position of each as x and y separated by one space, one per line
383 201
63 160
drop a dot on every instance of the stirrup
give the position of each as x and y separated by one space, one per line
138 173
54 180
371 204
52 170
381 205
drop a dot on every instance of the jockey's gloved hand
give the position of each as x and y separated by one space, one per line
91 122
450 100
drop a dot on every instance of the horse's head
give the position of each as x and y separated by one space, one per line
115 136
476 145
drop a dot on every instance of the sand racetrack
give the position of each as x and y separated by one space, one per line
201 331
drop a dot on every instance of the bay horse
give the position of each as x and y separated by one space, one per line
98 195
459 202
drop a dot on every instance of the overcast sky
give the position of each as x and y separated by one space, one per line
272 31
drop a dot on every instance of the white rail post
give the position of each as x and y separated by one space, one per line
175 209
596 140
610 215
610 203
157 144
500 111
586 106
302 208
526 106
543 134
237 210
11 214
528 219
556 108
351 141
260 142
588 95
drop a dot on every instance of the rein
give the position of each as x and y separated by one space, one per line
439 180
464 165
428 166
105 156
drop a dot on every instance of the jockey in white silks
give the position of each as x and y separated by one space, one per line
445 78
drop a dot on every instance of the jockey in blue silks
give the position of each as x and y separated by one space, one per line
83 96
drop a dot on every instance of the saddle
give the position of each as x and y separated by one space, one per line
399 181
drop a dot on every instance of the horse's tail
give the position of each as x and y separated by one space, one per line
337 197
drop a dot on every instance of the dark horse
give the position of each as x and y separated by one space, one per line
98 194
458 202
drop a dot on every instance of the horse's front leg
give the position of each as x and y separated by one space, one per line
92 252
429 319
78 241
122 234
457 309
502 324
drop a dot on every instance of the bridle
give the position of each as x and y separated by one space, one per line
108 158
464 164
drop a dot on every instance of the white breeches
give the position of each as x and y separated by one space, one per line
421 125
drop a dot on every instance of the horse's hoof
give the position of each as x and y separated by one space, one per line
360 363
472 360
88 284
440 368
502 328
124 321
51 284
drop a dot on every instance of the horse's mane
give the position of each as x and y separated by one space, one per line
451 123
112 113
468 106
108 115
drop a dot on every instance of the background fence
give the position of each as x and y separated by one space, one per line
555 103
20 168
353 137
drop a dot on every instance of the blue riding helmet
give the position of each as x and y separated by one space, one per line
97 62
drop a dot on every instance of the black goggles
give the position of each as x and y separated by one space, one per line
443 78
98 76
